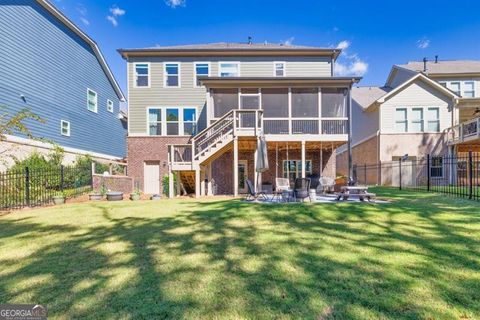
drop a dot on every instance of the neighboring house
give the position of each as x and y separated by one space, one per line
410 115
53 68
463 78
198 109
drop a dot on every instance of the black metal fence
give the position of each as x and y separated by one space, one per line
457 175
36 187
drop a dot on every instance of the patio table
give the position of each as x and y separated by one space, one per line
347 191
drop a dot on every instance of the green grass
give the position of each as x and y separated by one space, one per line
415 258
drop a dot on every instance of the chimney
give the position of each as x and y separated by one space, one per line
249 40
436 58
425 64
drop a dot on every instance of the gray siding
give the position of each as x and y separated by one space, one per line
52 67
399 76
187 95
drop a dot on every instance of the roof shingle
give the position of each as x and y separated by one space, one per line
444 66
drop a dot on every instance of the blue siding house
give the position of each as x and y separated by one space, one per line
50 66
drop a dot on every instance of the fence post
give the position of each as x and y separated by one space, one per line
365 172
27 186
470 175
428 172
400 173
62 178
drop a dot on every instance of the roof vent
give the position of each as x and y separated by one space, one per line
436 58
425 64
249 40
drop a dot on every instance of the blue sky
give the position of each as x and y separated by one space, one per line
375 34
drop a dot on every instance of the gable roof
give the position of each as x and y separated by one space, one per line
420 76
69 24
229 48
444 67
365 96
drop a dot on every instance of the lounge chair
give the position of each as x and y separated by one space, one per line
302 187
326 184
252 195
282 184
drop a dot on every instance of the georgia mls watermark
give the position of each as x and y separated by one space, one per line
23 312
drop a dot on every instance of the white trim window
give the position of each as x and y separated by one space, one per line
65 128
455 86
279 69
436 167
155 121
189 117
171 75
172 119
468 89
229 69
401 120
142 75
433 119
92 101
109 105
200 69
292 169
416 120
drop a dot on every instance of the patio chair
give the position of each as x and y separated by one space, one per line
252 195
302 187
326 184
282 184
314 181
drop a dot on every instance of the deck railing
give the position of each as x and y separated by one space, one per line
465 131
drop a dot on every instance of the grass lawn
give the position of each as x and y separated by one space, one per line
415 258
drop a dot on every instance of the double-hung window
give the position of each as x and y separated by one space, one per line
202 69
229 69
401 122
433 119
436 167
468 89
279 69
172 74
189 121
155 121
455 87
416 120
142 75
65 128
110 106
92 100
172 119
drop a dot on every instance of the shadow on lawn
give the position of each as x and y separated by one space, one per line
259 261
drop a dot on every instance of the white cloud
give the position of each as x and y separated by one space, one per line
335 29
116 11
423 43
113 20
85 21
288 42
349 64
175 3
343 45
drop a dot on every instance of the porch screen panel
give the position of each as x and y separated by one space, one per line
224 100
333 103
304 102
275 103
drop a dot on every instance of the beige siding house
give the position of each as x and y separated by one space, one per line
197 111
388 123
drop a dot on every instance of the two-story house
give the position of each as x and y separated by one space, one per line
53 68
198 110
463 78
407 118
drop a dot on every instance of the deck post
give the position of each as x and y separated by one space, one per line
170 182
235 166
197 182
179 190
303 159
255 175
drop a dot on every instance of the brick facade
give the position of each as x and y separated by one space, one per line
113 183
143 149
222 168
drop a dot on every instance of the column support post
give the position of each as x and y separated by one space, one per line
197 182
235 166
303 159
